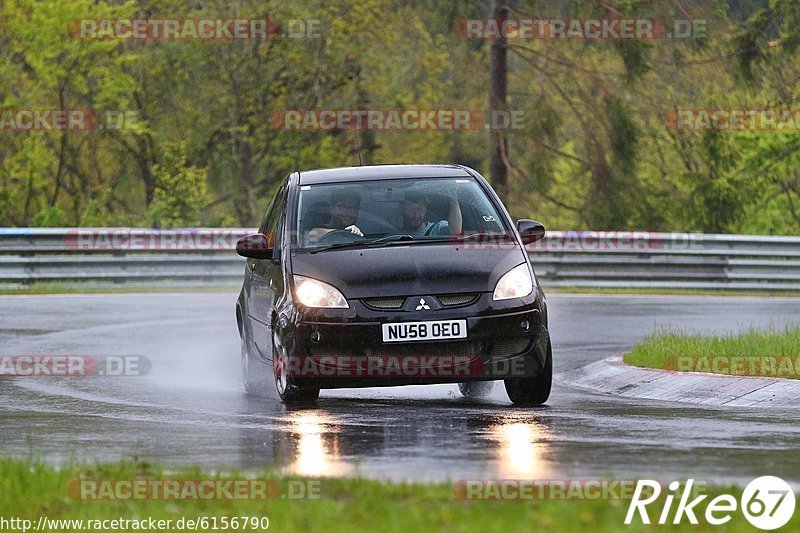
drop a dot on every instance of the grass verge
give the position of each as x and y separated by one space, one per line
30 489
768 352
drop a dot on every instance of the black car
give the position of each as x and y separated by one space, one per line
392 275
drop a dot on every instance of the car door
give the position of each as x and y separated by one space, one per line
266 277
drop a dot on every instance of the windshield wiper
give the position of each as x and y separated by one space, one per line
367 242
391 238
382 241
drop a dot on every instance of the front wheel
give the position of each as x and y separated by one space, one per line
533 390
290 389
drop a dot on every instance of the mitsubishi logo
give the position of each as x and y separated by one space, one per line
422 305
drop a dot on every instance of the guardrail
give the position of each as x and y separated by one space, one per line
204 256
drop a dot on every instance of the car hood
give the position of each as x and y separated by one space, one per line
402 270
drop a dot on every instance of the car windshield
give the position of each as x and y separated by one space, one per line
402 210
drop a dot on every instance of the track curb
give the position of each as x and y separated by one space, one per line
612 376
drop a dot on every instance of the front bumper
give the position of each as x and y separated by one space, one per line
348 350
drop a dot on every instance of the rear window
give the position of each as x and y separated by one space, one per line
427 208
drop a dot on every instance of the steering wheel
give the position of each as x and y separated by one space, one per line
336 236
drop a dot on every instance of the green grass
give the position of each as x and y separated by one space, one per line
31 488
769 352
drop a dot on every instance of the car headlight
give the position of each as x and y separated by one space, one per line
515 283
314 293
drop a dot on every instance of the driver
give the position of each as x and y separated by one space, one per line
344 212
414 208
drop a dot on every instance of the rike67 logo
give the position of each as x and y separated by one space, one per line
767 503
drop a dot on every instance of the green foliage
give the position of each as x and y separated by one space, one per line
180 192
594 151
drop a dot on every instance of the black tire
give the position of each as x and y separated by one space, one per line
255 377
476 389
290 389
533 390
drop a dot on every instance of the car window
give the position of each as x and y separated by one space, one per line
270 223
423 208
275 230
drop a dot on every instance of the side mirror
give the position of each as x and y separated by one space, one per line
530 230
255 246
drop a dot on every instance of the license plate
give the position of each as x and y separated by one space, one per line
430 330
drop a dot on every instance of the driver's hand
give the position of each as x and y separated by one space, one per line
354 229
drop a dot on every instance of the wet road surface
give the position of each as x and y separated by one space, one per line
190 408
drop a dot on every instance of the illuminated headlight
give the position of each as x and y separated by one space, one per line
515 283
314 293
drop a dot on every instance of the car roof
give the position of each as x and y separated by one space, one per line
380 172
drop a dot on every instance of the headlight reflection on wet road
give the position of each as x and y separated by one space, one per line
521 449
317 450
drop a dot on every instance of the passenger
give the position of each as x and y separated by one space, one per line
415 207
344 213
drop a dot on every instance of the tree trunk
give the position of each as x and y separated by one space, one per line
498 80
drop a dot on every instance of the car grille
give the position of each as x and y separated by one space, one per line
509 346
383 304
395 303
455 300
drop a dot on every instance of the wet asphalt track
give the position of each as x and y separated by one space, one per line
190 408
